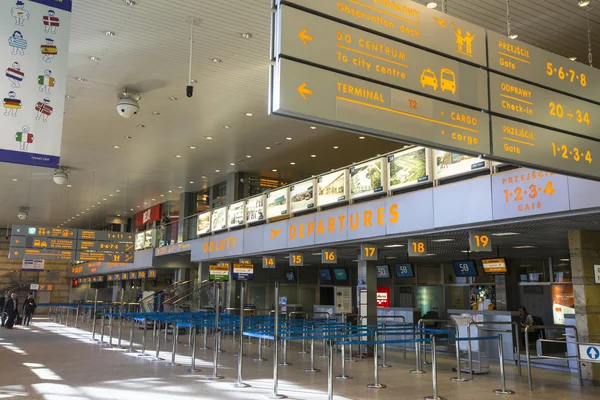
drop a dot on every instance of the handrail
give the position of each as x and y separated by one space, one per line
193 290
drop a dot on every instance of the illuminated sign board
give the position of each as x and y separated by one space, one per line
219 272
112 247
321 96
367 179
302 196
104 257
277 202
235 214
332 188
407 21
255 209
139 241
324 42
526 144
219 219
41 254
39 242
408 168
539 66
203 223
533 104
125 237
23 230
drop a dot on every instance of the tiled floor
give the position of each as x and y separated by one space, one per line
51 361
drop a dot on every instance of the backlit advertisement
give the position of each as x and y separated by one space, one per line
219 219
139 241
332 188
203 226
255 209
563 302
302 196
367 179
235 214
277 203
408 168
447 164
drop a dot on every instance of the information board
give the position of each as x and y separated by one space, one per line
325 97
41 254
219 272
104 257
417 248
23 230
327 43
111 247
332 188
480 241
125 237
243 272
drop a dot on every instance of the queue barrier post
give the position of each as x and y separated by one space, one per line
217 335
68 312
102 328
111 327
260 357
76 316
143 353
285 362
94 316
434 372
131 350
192 368
502 389
275 395
459 377
418 370
330 371
343 375
175 329
312 353
157 355
527 355
376 384
205 339
384 363
121 319
239 383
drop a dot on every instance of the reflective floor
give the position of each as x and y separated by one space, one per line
51 361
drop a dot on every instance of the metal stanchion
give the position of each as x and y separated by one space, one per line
434 372
192 368
143 353
529 377
418 358
121 319
131 350
384 363
239 383
285 362
102 328
175 337
470 352
76 316
205 338
459 377
94 316
376 384
303 351
502 389
275 395
189 343
312 353
216 336
111 327
330 371
260 357
68 312
343 375
157 356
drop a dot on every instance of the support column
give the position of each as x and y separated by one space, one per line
203 271
367 279
187 207
585 253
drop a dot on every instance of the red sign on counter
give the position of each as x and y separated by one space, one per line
383 296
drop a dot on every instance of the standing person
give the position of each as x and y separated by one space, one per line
29 307
165 229
2 304
12 309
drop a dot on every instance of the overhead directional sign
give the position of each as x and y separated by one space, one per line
112 247
326 97
125 237
23 230
408 21
535 104
296 260
41 242
479 241
539 66
41 254
104 257
329 256
417 248
526 144
324 42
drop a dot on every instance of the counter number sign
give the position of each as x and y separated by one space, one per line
479 241
329 256
368 252
269 262
417 248
296 260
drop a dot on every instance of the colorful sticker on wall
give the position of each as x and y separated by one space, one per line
18 43
51 22
48 50
43 109
11 104
19 13
46 81
15 75
24 138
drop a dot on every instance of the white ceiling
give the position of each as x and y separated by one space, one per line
150 54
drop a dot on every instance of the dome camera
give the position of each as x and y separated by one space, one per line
23 214
128 106
60 177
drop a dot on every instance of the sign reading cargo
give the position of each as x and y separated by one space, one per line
41 243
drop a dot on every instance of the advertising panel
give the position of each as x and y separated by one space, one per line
302 196
235 214
277 202
255 209
447 164
219 219
332 188
563 302
148 238
408 168
203 225
139 241
367 179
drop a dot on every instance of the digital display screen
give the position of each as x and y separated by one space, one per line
340 274
464 268
405 271
383 271
325 275
290 277
494 266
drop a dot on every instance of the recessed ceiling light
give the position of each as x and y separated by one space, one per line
524 247
94 58
80 79
139 206
313 155
194 81
209 138
565 259
180 187
292 163
202 177
226 126
248 156
162 195
172 98
78 215
145 203
118 191
104 198
442 240
249 114
289 138
131 209
192 182
193 147
170 191
177 156
572 58
336 147
583 3
70 97
246 35
141 126
513 36
109 33
98 202
69 186
87 209
274 170
217 60
391 246
232 164
313 127
268 148
155 113
505 234
361 137
117 146
129 3
14 179
431 5
127 137
432 254
118 215
317 254
93 205
111 195
217 170
153 199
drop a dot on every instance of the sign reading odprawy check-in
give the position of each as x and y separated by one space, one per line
399 70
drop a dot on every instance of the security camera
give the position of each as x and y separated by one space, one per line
242 180
128 106
189 90
60 177
23 214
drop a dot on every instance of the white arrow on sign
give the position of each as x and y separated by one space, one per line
589 352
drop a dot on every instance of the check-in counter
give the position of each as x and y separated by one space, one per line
399 315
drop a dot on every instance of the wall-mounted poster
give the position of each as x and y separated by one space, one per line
332 188
446 164
302 196
148 238
219 219
277 202
139 241
408 168
203 223
235 214
367 179
255 209
563 302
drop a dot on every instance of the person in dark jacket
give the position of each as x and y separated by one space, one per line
3 300
29 307
12 309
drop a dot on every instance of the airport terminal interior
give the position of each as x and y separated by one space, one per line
305 199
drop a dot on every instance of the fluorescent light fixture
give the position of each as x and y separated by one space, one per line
565 259
573 58
505 234
390 246
524 247
583 3
432 254
513 36
442 240
317 254
431 4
